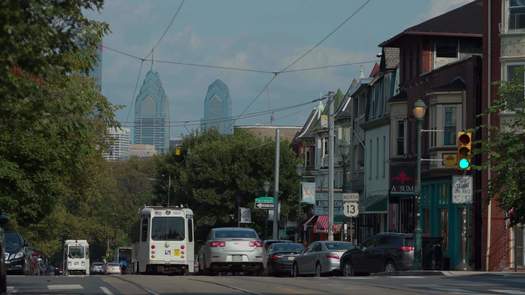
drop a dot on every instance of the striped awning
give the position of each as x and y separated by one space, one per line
321 225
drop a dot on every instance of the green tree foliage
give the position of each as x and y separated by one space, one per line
505 147
53 121
217 173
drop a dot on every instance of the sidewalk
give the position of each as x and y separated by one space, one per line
450 273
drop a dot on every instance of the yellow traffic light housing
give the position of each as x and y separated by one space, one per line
178 151
464 150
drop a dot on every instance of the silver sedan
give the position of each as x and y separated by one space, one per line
231 249
319 258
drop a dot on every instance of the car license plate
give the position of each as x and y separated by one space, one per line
76 263
237 258
176 252
167 252
291 258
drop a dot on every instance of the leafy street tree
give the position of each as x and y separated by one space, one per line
215 174
505 147
53 121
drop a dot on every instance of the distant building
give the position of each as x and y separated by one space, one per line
218 108
152 114
268 131
119 141
142 150
96 70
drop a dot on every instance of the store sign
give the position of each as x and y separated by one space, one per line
308 192
246 215
462 189
402 179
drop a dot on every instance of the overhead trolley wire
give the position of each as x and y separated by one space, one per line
165 30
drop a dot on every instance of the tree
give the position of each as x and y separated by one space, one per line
505 150
217 173
54 121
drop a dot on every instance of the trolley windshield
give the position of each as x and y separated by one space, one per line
167 229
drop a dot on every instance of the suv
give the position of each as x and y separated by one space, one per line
385 252
17 254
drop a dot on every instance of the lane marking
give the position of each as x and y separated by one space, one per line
225 286
406 277
65 287
106 291
151 292
503 291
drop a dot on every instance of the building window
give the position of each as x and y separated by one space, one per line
377 158
446 51
516 15
370 161
384 156
516 74
400 141
449 125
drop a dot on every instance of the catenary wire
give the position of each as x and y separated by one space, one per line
165 30
296 60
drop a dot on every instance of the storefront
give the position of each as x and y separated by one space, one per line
401 209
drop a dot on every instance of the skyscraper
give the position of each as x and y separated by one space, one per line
119 141
218 108
152 114
96 70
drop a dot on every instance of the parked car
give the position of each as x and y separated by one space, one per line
17 254
266 245
98 268
319 258
280 257
231 249
113 268
386 252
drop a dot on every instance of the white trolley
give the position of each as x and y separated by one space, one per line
166 241
76 257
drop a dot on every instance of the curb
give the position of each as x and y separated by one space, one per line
412 273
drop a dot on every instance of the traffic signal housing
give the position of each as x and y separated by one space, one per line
464 150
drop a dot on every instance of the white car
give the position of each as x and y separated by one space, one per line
232 249
321 257
113 268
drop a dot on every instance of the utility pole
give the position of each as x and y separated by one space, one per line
276 186
331 154
169 188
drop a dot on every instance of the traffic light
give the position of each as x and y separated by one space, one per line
464 150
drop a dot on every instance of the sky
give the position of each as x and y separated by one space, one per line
265 35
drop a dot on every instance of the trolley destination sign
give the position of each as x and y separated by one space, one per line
264 203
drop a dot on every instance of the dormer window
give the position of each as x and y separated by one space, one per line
516 15
445 52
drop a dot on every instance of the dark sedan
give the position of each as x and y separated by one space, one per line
281 257
386 252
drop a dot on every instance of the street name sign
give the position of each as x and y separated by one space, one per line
462 189
350 197
264 203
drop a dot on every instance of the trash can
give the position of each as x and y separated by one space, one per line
432 253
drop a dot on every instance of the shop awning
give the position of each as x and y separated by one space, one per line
375 205
308 222
321 225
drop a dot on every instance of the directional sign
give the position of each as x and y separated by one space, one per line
350 197
351 209
264 203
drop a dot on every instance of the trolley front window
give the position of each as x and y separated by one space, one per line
76 252
167 229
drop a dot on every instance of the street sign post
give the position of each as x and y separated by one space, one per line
462 189
264 203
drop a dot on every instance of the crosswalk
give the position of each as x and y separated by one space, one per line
53 288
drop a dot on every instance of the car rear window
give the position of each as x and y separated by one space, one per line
339 246
288 247
239 234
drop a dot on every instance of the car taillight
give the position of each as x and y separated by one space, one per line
256 244
182 247
152 246
332 256
407 248
217 244
275 257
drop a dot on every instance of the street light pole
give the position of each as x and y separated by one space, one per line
331 155
419 113
275 233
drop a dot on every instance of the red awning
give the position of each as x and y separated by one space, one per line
321 225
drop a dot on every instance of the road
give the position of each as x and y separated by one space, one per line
200 285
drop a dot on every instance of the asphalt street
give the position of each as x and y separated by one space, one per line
200 285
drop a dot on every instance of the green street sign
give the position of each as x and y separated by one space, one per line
264 202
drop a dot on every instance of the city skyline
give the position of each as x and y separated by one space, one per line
217 108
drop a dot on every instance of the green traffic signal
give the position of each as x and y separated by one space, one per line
464 164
